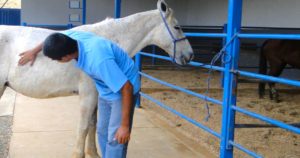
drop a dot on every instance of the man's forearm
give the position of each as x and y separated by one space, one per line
38 48
127 104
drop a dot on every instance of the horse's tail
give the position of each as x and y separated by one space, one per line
263 67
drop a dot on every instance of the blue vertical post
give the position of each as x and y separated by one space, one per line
153 52
138 63
69 26
117 8
83 12
230 80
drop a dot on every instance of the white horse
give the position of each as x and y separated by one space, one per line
47 78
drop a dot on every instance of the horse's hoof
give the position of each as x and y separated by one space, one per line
261 97
93 156
77 155
269 107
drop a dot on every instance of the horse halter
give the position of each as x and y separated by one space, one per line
175 40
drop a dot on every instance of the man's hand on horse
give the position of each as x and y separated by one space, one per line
27 56
30 55
123 135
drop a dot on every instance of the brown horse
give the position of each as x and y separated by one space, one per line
277 53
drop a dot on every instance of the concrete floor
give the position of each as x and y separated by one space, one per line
45 128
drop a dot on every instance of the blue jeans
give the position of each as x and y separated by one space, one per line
109 120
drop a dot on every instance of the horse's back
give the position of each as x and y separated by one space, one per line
46 78
282 51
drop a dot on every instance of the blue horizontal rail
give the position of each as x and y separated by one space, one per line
181 115
49 26
192 63
156 56
207 66
245 35
211 35
182 89
251 153
243 73
267 119
268 78
270 36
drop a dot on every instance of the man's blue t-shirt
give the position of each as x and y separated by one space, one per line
106 63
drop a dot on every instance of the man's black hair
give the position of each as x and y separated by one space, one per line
58 45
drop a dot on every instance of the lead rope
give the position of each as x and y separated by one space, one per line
222 53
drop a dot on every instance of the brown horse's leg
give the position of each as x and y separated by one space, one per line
275 70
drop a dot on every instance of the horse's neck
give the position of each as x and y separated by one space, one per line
131 33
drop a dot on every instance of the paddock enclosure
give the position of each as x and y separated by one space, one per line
240 124
234 123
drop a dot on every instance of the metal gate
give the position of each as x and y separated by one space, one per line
230 71
10 16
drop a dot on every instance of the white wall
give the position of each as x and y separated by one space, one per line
49 12
274 13
98 10
262 13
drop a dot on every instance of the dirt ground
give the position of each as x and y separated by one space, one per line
268 142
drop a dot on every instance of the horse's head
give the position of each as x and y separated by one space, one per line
170 37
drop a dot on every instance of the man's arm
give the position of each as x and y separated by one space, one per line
123 133
30 55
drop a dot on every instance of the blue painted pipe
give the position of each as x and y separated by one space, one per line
153 52
243 73
268 120
182 89
117 8
243 35
212 35
47 26
196 64
83 12
269 78
230 80
271 36
138 62
251 153
181 115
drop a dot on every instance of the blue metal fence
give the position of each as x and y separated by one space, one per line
10 16
230 71
54 27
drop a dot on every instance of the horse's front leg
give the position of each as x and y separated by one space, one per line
273 93
276 68
88 103
86 113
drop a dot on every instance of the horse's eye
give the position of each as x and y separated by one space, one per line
177 27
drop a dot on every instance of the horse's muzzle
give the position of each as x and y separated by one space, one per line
187 58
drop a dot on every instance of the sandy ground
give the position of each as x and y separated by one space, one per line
269 142
11 3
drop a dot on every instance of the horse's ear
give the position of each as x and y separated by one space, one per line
163 7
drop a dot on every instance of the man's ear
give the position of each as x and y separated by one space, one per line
75 55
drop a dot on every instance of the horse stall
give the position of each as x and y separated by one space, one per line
214 100
218 92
